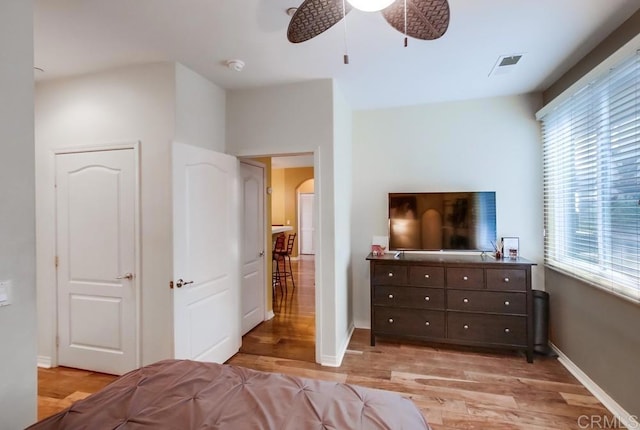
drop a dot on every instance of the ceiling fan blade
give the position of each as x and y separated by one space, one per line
314 17
426 19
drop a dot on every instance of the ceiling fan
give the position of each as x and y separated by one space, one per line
421 19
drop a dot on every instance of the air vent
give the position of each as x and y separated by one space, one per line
505 64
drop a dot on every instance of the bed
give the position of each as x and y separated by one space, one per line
183 394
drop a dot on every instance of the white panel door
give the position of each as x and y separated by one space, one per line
253 234
96 252
206 254
305 223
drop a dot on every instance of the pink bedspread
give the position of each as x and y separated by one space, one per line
182 394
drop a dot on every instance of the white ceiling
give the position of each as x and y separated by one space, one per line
79 36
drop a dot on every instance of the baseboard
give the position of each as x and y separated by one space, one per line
269 315
336 361
624 417
364 324
44 361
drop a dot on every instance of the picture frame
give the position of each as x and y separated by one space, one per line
377 250
379 245
510 247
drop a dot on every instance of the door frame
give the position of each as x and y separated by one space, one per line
317 237
266 315
135 146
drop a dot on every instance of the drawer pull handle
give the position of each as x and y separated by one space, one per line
427 323
465 278
391 274
465 300
427 276
391 296
390 320
466 327
506 279
506 330
426 298
506 303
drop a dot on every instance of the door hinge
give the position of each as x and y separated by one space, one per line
56 261
171 285
57 341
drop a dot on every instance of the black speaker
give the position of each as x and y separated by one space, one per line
541 323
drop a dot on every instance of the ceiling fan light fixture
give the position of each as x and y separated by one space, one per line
370 5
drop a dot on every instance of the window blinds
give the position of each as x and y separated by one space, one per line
591 162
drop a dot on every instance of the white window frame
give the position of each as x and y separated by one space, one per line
589 120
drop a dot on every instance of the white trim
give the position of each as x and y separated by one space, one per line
628 420
364 324
44 361
317 213
270 315
626 50
317 163
336 361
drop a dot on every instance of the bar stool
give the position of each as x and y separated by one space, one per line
285 254
277 277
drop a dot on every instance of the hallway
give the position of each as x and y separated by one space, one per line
291 333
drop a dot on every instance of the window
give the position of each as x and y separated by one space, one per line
591 149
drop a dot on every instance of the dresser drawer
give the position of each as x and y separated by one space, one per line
487 301
411 322
389 274
426 276
408 297
493 329
465 277
506 279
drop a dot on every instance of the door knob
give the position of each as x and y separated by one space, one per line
261 254
128 276
182 282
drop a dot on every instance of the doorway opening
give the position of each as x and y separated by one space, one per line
291 332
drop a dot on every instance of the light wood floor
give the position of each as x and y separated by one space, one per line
455 388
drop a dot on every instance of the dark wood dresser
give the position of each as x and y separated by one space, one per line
459 299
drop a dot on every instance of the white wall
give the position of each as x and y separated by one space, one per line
200 111
482 145
155 104
342 179
17 224
290 119
123 105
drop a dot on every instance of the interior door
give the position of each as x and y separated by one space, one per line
96 258
206 254
253 250
306 228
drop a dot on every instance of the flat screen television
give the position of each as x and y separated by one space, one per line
446 221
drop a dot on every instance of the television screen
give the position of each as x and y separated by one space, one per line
463 221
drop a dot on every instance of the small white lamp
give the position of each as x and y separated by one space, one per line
370 5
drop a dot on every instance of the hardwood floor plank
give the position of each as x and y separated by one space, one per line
454 387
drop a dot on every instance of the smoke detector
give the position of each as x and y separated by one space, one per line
235 65
505 64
